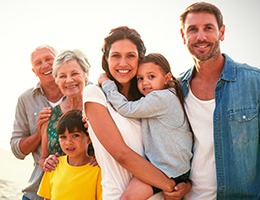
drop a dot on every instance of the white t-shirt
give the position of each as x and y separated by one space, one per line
56 103
203 168
114 177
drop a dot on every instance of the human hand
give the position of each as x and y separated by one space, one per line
179 191
44 116
51 162
103 77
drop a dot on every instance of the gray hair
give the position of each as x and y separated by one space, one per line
54 51
67 55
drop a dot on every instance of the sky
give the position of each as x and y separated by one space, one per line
83 24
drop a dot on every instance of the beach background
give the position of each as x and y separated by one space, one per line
14 174
83 24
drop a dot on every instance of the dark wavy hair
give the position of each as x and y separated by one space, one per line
121 33
71 120
162 62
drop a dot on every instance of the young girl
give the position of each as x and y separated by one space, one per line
166 132
74 177
118 151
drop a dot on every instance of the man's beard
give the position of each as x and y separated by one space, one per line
202 56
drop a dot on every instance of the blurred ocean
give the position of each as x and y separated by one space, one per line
9 190
14 174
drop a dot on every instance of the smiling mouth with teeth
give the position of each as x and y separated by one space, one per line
48 72
123 71
202 45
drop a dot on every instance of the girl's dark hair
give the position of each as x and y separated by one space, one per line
71 120
121 33
161 61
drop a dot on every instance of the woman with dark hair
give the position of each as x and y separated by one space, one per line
116 139
166 133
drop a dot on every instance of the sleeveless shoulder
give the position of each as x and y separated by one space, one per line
93 93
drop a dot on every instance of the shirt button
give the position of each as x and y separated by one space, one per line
244 117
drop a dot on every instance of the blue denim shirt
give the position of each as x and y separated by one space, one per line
236 130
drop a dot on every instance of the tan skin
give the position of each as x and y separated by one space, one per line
96 111
42 61
146 79
202 35
123 56
80 142
71 80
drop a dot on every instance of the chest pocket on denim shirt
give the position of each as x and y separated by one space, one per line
244 124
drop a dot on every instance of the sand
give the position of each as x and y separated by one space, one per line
14 174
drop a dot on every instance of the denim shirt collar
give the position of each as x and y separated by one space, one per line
236 129
228 74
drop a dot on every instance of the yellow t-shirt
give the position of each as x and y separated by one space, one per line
71 182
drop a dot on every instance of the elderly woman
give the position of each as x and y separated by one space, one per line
70 70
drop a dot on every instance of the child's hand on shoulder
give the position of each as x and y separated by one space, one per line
102 78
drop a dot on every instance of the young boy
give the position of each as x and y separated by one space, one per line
74 177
